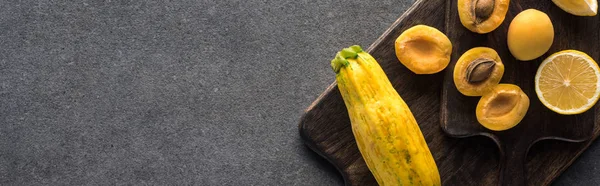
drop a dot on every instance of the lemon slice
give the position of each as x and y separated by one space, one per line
578 7
568 82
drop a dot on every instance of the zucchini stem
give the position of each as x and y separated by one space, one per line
341 58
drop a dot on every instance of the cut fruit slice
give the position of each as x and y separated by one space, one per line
568 82
578 7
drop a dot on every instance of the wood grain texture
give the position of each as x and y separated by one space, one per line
325 127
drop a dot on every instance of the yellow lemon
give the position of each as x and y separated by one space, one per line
578 7
568 82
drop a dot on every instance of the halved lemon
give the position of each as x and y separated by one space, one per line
578 7
568 82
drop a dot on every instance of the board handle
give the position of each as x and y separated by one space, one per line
512 172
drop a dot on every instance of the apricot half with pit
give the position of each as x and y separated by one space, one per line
423 49
530 35
482 16
502 108
478 71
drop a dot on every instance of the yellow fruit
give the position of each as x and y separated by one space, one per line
530 35
578 7
386 132
423 49
478 71
502 108
568 82
482 16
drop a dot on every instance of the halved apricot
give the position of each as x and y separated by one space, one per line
502 108
482 16
423 49
478 71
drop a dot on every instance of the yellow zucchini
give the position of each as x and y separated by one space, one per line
385 129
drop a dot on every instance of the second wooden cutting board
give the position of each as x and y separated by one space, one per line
540 123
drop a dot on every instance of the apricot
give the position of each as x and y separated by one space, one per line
478 71
423 49
482 16
530 35
502 108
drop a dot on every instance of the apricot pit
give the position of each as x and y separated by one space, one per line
502 108
423 49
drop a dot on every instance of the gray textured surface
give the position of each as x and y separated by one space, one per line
176 92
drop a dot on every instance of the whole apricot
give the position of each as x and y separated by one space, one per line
530 35
423 49
502 108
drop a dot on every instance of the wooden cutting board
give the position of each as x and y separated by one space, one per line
325 127
540 123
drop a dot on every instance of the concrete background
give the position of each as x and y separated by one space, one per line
177 92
